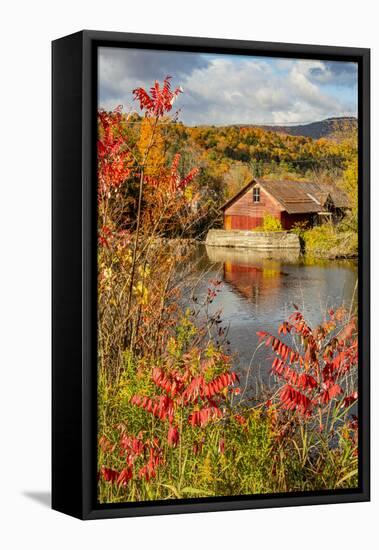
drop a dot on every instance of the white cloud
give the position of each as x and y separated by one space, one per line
231 89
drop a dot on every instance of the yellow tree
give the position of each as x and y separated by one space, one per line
151 140
350 184
237 176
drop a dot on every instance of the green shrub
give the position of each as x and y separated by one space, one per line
330 241
299 228
270 223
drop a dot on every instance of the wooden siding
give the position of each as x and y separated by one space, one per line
246 214
227 222
241 222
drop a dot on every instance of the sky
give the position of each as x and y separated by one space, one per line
232 89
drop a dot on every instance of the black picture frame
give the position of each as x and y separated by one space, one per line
74 294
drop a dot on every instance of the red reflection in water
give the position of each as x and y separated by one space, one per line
253 280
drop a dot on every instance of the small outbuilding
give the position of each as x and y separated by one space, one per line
290 202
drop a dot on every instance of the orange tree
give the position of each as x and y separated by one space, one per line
140 200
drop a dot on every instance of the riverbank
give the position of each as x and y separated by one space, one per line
324 242
179 430
328 242
321 242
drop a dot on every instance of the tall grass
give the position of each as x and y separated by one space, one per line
250 447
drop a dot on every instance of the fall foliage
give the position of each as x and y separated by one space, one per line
173 419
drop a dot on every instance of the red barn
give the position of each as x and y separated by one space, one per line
290 202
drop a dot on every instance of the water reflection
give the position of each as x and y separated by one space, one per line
260 289
246 256
252 271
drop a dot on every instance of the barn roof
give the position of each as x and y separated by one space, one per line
297 197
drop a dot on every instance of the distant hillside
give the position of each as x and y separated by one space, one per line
332 128
228 156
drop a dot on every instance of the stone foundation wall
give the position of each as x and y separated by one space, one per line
257 240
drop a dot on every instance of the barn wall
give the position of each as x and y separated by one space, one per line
245 214
242 222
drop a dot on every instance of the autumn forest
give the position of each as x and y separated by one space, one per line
178 416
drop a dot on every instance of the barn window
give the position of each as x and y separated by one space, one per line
256 194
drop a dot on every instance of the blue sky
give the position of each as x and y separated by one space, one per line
227 89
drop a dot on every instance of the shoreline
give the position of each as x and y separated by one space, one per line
189 241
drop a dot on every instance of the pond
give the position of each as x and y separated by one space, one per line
259 290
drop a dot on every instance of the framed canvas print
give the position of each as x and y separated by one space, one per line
210 274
